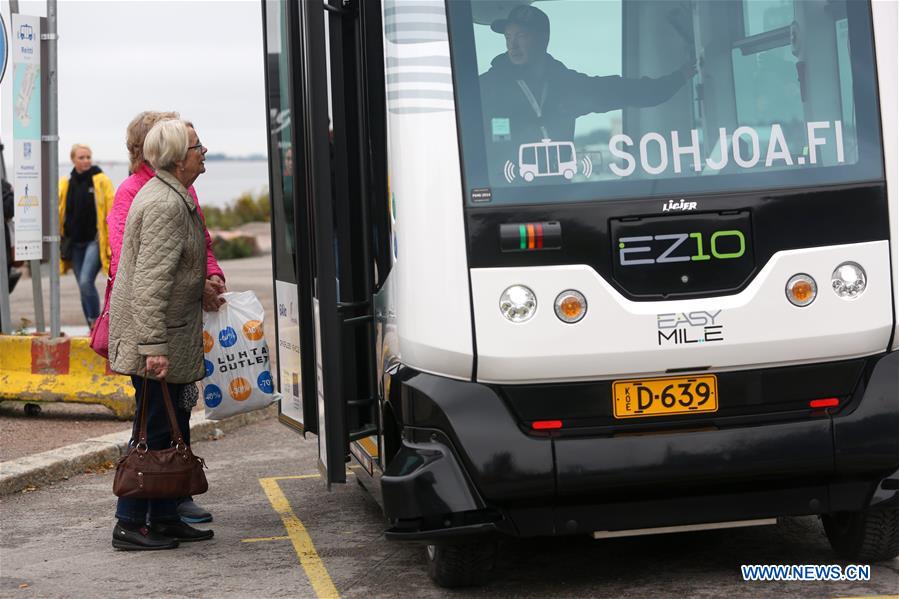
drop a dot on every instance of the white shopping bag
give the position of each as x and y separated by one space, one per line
238 375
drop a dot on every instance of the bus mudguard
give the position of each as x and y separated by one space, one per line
867 439
504 464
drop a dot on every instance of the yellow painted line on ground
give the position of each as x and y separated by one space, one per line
292 477
261 539
302 543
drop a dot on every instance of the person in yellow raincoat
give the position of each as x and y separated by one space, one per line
85 198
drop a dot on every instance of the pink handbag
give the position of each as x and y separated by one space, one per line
100 330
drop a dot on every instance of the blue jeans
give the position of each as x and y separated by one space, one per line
86 264
140 511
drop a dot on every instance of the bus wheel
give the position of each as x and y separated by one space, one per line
568 174
528 176
461 564
870 535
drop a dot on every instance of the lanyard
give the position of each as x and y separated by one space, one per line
532 100
172 187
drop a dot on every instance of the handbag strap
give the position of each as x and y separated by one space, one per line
142 418
176 436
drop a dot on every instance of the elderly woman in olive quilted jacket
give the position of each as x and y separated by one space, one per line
155 315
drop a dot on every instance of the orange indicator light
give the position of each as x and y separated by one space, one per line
802 290
571 307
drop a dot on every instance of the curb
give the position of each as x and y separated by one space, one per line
64 462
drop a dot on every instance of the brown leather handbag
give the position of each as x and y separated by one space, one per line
170 473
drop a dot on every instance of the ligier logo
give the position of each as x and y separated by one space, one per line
252 330
681 328
227 337
240 388
682 247
683 206
212 395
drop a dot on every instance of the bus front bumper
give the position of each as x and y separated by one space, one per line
468 467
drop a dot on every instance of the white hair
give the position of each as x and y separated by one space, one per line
166 144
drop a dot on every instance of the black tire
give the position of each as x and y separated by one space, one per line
868 536
32 410
461 564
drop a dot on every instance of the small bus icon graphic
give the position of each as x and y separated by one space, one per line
547 159
26 32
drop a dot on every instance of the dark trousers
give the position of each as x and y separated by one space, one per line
139 511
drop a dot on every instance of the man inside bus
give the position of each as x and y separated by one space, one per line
527 95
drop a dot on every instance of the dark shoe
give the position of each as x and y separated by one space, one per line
181 531
142 539
191 513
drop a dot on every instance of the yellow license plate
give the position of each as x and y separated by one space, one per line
665 397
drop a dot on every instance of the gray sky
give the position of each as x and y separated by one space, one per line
117 58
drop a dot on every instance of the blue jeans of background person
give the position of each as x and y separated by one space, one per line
139 511
86 264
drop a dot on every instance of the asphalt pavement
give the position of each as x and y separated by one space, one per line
279 533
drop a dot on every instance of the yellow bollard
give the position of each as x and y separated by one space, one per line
36 368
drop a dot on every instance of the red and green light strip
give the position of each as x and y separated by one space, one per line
523 237
531 236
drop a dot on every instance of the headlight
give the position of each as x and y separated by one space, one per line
801 290
571 306
518 303
849 280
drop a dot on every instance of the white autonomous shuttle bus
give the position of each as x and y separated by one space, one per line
591 268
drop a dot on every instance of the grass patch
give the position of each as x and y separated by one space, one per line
245 209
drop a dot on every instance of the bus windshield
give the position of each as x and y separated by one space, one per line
574 100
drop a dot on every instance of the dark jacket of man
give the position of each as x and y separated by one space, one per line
560 95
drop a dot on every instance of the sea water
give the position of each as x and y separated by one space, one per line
223 181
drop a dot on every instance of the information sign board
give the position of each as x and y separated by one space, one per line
25 46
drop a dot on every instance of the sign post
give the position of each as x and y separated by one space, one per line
52 140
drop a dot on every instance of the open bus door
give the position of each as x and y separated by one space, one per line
324 180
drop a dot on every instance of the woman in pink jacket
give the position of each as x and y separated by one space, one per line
141 172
